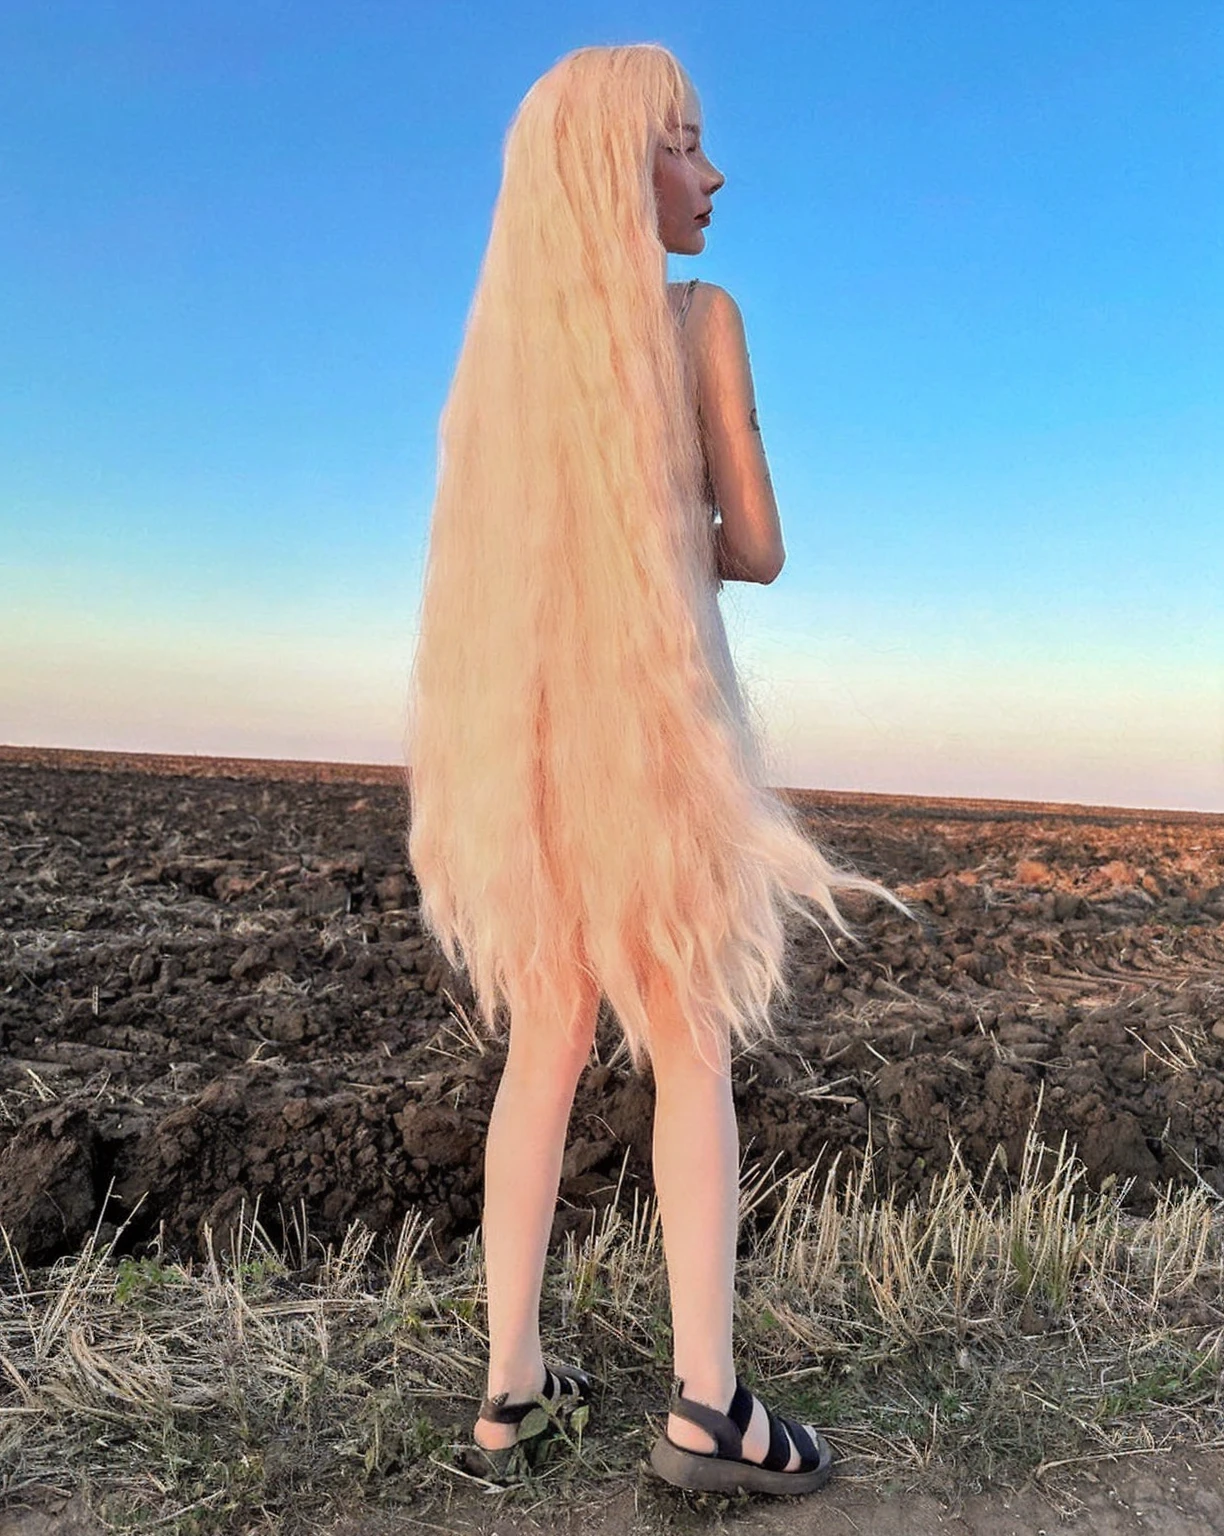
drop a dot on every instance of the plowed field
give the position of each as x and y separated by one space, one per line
213 987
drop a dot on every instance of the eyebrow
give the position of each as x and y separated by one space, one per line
691 127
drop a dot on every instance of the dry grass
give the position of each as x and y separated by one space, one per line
945 1343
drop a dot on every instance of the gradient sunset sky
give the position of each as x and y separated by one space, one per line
978 253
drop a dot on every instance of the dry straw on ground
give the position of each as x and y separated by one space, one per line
945 1343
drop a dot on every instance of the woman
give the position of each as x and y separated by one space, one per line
589 816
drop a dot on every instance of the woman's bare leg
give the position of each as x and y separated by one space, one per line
696 1170
523 1152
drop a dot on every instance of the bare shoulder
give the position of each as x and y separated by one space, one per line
715 319
714 298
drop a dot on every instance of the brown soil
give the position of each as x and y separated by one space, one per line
1178 1494
213 987
1172 1494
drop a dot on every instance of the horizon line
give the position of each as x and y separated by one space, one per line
181 764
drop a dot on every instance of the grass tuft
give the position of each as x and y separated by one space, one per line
944 1343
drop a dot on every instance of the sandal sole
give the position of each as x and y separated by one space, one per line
716 1474
492 1466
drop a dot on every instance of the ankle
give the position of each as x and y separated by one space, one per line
519 1382
715 1389
492 1436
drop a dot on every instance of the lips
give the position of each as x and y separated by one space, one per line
704 218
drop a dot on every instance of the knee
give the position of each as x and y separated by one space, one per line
547 1051
676 1054
552 1037
547 1069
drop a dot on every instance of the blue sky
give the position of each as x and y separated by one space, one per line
978 253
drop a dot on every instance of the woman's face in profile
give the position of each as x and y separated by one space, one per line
684 182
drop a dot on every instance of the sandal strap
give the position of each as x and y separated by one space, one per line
779 1455
740 1411
728 1429
724 1430
562 1382
498 1411
566 1381
782 1432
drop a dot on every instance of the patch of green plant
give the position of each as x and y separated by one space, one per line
135 1278
1168 1382
256 1271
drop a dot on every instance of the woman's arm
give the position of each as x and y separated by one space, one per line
749 540
729 568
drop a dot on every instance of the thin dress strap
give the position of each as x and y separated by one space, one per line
688 294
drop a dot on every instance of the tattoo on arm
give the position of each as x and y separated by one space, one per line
752 420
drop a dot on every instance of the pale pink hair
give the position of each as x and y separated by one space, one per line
586 789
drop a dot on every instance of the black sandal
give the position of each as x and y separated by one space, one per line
725 1470
565 1390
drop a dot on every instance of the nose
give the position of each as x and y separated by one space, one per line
714 181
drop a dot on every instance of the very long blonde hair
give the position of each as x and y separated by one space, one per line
585 786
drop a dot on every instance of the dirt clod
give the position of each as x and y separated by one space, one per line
214 988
